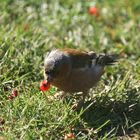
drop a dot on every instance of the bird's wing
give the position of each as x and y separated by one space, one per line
80 59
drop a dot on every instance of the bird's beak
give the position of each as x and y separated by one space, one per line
49 78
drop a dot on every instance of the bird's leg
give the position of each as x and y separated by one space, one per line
85 94
60 94
81 101
57 95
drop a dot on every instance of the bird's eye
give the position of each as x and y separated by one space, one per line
51 72
47 72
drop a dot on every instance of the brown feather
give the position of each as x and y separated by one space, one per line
79 58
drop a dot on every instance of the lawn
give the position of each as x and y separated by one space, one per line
31 28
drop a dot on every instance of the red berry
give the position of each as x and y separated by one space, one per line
14 93
44 85
92 10
10 97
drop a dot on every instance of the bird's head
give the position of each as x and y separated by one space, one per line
56 66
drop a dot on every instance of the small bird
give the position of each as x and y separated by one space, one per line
73 71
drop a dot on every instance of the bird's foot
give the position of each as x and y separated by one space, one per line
78 105
56 96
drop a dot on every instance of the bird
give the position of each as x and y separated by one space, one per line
72 70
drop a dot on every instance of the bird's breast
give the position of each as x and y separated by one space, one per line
79 79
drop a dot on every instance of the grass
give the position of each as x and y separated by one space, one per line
29 29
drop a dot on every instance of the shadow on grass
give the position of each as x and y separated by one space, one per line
123 117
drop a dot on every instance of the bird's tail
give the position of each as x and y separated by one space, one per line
106 59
